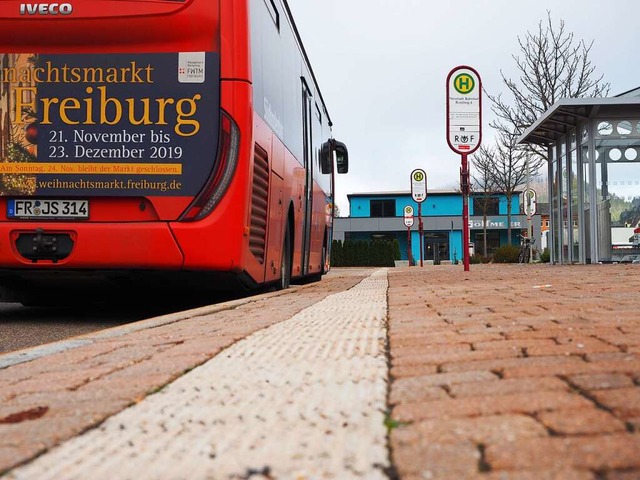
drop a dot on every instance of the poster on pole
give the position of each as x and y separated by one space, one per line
464 110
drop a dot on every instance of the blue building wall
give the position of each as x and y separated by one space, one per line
455 239
502 205
440 205
433 206
359 206
436 205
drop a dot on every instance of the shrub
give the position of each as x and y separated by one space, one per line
337 254
362 253
506 254
478 258
396 250
545 256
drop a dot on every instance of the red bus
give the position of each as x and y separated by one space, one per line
160 144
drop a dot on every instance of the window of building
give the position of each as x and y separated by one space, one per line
486 205
493 242
383 236
383 208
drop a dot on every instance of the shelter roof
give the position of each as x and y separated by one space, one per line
568 113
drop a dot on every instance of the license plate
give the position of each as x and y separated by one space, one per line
48 209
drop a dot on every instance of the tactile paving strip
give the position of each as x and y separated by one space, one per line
303 399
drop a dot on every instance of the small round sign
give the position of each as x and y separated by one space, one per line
408 216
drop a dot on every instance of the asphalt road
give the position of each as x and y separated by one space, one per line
24 327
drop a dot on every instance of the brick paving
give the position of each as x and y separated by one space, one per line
293 400
48 400
515 372
505 372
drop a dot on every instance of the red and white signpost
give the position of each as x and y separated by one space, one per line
408 222
464 132
419 195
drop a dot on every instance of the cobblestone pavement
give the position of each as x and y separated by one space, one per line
516 372
504 372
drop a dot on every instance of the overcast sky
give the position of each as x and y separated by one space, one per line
382 67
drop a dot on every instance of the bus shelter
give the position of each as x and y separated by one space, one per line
593 152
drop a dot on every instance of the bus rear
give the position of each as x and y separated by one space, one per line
159 144
118 162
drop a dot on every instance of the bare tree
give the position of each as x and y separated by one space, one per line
483 186
509 167
552 65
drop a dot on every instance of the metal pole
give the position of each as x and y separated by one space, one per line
527 203
465 212
421 231
455 256
409 245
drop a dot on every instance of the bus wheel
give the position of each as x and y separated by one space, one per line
285 262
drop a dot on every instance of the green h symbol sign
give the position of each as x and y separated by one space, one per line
464 83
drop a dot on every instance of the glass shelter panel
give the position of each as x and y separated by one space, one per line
586 189
564 204
555 202
573 192
617 157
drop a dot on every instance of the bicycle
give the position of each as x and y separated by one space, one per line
524 256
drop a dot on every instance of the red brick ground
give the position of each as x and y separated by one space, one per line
515 372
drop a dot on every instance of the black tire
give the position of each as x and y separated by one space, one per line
285 262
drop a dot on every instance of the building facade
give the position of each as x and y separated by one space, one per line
593 153
381 216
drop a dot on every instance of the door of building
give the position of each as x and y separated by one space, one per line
436 247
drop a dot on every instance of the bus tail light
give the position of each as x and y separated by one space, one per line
222 174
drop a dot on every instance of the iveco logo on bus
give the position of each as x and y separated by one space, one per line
45 9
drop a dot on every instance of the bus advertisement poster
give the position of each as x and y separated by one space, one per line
108 124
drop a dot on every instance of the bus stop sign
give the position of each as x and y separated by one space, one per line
530 202
418 185
464 110
408 216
